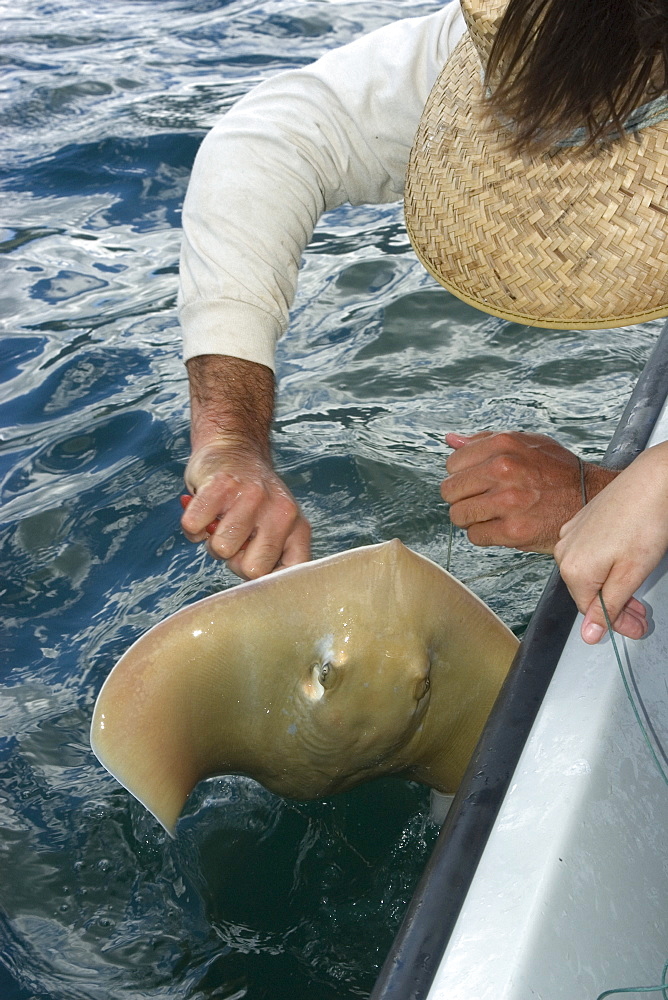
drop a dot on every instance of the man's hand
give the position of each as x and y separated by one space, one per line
259 526
258 523
515 489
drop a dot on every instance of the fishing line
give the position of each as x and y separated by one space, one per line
629 694
583 485
663 988
450 534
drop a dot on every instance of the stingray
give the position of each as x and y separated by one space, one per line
310 680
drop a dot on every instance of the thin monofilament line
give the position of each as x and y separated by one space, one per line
583 485
450 533
639 989
663 988
628 690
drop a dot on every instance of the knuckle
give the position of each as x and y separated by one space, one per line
503 466
447 490
458 516
252 571
260 562
227 541
286 511
252 493
213 548
507 439
515 498
193 536
208 501
196 518
222 549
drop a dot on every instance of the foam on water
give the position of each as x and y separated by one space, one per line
103 110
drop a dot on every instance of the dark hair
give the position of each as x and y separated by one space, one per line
557 65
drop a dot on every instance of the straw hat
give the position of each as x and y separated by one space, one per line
566 239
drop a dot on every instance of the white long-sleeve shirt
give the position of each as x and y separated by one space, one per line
300 144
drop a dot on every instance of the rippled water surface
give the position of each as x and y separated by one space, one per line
103 109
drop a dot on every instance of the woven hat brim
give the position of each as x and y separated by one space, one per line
563 240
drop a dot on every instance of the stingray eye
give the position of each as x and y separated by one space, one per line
422 687
321 678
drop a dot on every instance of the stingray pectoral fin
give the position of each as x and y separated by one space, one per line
141 731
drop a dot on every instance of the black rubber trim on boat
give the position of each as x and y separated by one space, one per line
411 965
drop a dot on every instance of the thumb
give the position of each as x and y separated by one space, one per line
629 619
594 625
455 440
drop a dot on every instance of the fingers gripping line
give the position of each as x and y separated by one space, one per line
210 528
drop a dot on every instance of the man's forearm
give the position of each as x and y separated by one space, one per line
239 505
232 401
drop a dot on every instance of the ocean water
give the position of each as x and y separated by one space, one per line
104 106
